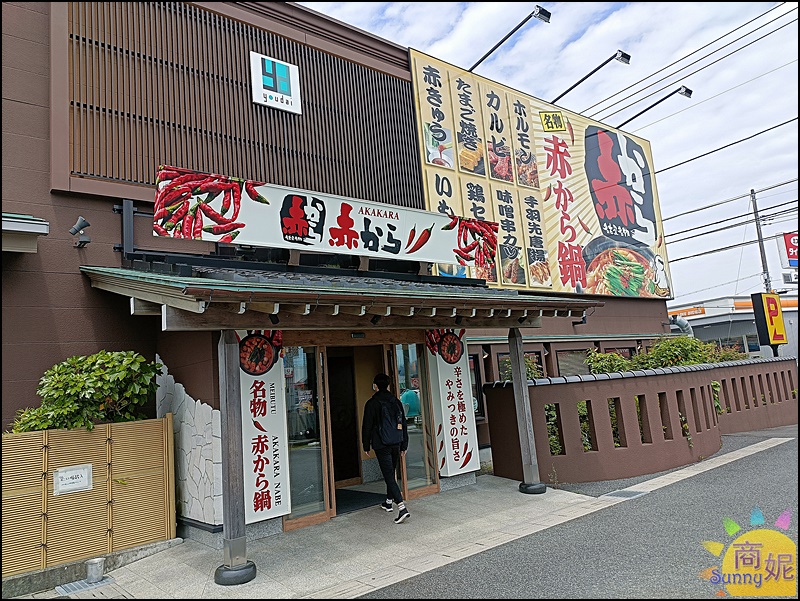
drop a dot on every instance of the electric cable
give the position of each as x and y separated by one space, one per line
584 111
722 202
719 250
686 76
749 214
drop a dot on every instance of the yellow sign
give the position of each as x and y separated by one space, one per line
553 121
774 315
575 201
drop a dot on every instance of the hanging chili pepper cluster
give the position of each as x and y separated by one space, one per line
445 343
477 241
183 206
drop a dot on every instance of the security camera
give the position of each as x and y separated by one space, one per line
79 225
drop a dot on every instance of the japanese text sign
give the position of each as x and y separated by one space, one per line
454 415
575 201
218 208
264 432
787 245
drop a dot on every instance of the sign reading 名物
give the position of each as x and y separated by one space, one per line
218 208
575 201
454 415
264 437
72 478
275 83
769 319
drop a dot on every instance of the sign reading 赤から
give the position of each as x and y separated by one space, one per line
454 414
218 208
264 432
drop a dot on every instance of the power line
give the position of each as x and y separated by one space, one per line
719 250
682 58
694 105
690 74
722 202
724 284
748 214
735 225
723 147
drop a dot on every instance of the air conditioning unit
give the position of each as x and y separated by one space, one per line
790 277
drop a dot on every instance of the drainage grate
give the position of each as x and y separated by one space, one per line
81 585
626 494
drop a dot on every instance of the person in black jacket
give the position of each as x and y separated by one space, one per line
388 455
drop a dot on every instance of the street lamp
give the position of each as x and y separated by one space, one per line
619 55
683 91
538 12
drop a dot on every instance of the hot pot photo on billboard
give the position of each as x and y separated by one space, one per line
623 261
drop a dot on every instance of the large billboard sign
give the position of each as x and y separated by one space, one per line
575 201
218 208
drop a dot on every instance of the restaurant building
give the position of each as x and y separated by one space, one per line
186 178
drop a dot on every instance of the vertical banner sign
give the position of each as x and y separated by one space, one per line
769 319
575 199
264 438
454 415
787 245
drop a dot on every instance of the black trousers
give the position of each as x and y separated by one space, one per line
388 459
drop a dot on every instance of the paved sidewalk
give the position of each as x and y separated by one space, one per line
360 552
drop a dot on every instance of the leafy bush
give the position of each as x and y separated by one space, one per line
603 363
532 369
82 391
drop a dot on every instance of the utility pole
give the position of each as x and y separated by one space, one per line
764 267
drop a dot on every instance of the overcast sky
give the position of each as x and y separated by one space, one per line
734 97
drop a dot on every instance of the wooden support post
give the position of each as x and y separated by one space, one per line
236 569
530 468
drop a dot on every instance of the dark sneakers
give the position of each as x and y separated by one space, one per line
387 506
402 517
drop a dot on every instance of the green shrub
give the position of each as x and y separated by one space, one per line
603 363
82 391
532 369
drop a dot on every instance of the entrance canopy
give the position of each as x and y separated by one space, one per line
213 298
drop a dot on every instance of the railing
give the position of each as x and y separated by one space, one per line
618 425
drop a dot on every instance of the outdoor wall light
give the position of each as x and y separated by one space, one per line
619 55
540 13
375 319
79 228
274 319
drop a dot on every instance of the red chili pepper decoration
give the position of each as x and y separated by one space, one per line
186 226
423 238
223 228
548 192
411 235
197 228
213 215
177 216
250 188
228 237
259 426
160 230
571 132
467 457
584 226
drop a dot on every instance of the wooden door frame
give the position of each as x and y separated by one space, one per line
329 496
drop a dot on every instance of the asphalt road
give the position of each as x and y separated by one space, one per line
647 547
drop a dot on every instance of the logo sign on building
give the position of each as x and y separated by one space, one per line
264 437
575 201
72 479
275 84
218 208
787 245
454 415
769 319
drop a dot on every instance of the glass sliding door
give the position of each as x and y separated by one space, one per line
420 461
306 460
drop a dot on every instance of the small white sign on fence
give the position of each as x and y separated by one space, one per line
72 478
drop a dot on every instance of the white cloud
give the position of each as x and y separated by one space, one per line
545 59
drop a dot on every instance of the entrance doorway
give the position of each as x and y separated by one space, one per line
350 374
